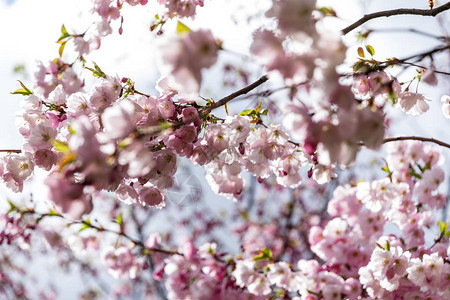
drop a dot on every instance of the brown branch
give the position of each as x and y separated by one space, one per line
11 150
123 234
236 94
394 12
88 224
416 138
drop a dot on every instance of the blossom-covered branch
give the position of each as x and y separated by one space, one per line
236 94
394 12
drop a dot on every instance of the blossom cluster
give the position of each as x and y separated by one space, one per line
360 260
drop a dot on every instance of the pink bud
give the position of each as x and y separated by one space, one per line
158 274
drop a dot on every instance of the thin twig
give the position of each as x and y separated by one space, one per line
269 92
400 11
134 241
427 53
402 62
408 30
416 138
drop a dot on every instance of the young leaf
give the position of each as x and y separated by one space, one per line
370 50
119 219
361 52
387 246
61 48
258 108
182 28
62 147
67 159
98 72
71 130
443 226
12 206
85 226
53 213
361 66
263 254
63 30
23 91
413 173
327 11
64 34
165 125
245 112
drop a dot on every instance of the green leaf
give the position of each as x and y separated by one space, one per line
64 34
245 112
387 246
370 50
19 69
66 159
182 28
361 66
61 48
85 226
53 213
263 254
361 52
63 30
119 219
62 147
413 173
264 112
258 108
23 91
443 226
98 72
327 11
12 206
164 126
157 17
71 130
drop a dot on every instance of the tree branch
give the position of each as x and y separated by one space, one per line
400 11
416 138
402 62
236 94
11 150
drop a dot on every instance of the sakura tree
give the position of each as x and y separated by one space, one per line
281 131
